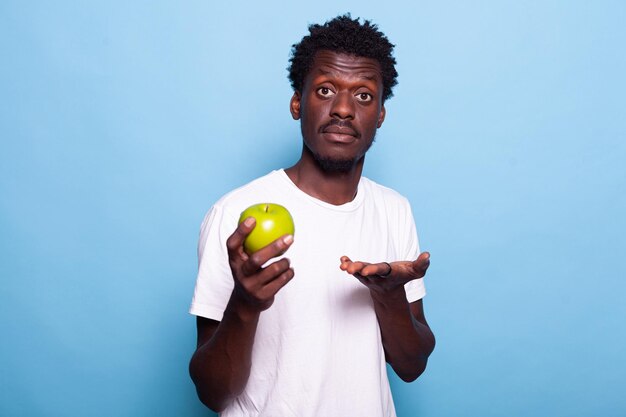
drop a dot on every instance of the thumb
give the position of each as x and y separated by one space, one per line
421 264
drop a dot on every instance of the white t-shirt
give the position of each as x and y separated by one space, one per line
317 350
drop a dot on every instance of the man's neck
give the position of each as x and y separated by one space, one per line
335 188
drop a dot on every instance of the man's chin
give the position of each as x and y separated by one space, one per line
334 165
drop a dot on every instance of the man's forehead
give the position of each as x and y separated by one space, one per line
329 62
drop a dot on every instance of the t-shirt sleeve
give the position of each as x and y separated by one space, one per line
415 289
214 283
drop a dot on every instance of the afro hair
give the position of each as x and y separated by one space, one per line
345 35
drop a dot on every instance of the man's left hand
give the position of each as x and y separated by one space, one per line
384 277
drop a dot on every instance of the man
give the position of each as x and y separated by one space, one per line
309 334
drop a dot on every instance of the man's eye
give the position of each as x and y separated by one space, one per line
364 97
325 92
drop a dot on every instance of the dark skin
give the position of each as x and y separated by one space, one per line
340 108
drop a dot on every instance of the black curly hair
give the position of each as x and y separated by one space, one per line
345 35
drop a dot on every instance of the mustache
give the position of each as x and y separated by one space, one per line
341 124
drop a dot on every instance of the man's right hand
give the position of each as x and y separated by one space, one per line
255 285
220 366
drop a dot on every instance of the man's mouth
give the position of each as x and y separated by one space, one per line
340 128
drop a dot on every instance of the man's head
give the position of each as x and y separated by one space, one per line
344 35
341 74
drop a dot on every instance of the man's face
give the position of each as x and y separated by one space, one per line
340 108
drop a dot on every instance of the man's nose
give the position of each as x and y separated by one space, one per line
343 106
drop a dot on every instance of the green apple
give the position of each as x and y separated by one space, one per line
272 222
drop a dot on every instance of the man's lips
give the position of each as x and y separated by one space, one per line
340 128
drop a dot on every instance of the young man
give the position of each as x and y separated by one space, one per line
309 334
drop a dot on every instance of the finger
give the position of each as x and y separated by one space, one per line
260 257
279 282
272 271
345 261
234 243
421 264
381 269
355 267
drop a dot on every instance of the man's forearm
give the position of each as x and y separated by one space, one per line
220 367
406 341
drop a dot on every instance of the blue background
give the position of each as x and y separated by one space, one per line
122 122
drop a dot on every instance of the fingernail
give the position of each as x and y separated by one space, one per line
288 239
249 221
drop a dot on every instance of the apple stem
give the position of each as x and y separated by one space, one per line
267 207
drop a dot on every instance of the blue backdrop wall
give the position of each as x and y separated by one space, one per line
121 123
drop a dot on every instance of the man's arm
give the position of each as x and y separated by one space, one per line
407 338
220 366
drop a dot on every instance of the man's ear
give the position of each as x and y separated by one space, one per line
381 116
294 105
